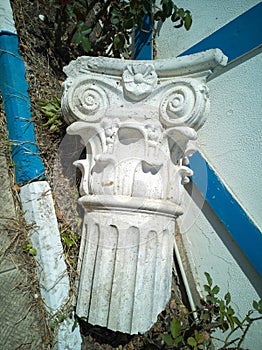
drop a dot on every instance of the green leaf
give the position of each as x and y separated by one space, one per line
53 119
191 341
227 298
56 102
230 311
132 11
53 127
187 21
77 38
222 305
255 305
198 337
86 44
115 20
167 8
207 288
68 242
119 41
237 321
32 251
50 106
231 321
211 299
167 339
209 279
181 12
178 341
175 328
86 31
74 325
215 290
115 12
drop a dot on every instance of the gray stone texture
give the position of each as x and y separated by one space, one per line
20 324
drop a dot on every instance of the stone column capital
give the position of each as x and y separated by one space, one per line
138 121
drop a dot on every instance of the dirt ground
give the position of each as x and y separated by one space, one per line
45 77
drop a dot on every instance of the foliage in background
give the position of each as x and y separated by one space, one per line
104 27
216 314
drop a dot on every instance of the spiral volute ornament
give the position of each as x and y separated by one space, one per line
184 103
84 101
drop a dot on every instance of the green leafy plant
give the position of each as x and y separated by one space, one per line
28 248
57 320
105 27
70 241
69 238
52 110
215 313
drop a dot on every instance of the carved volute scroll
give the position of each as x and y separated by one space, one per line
138 121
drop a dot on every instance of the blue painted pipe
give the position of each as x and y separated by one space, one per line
14 88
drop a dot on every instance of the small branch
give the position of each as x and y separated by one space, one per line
247 328
225 346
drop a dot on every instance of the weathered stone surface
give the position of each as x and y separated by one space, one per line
39 210
138 122
66 339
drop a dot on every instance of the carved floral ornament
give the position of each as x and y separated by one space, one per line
138 122
139 80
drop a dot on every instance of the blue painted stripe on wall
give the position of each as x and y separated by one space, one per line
237 37
226 207
143 49
13 85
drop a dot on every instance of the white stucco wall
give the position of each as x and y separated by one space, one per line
231 142
208 16
231 139
210 249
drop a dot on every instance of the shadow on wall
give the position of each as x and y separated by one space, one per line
224 235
